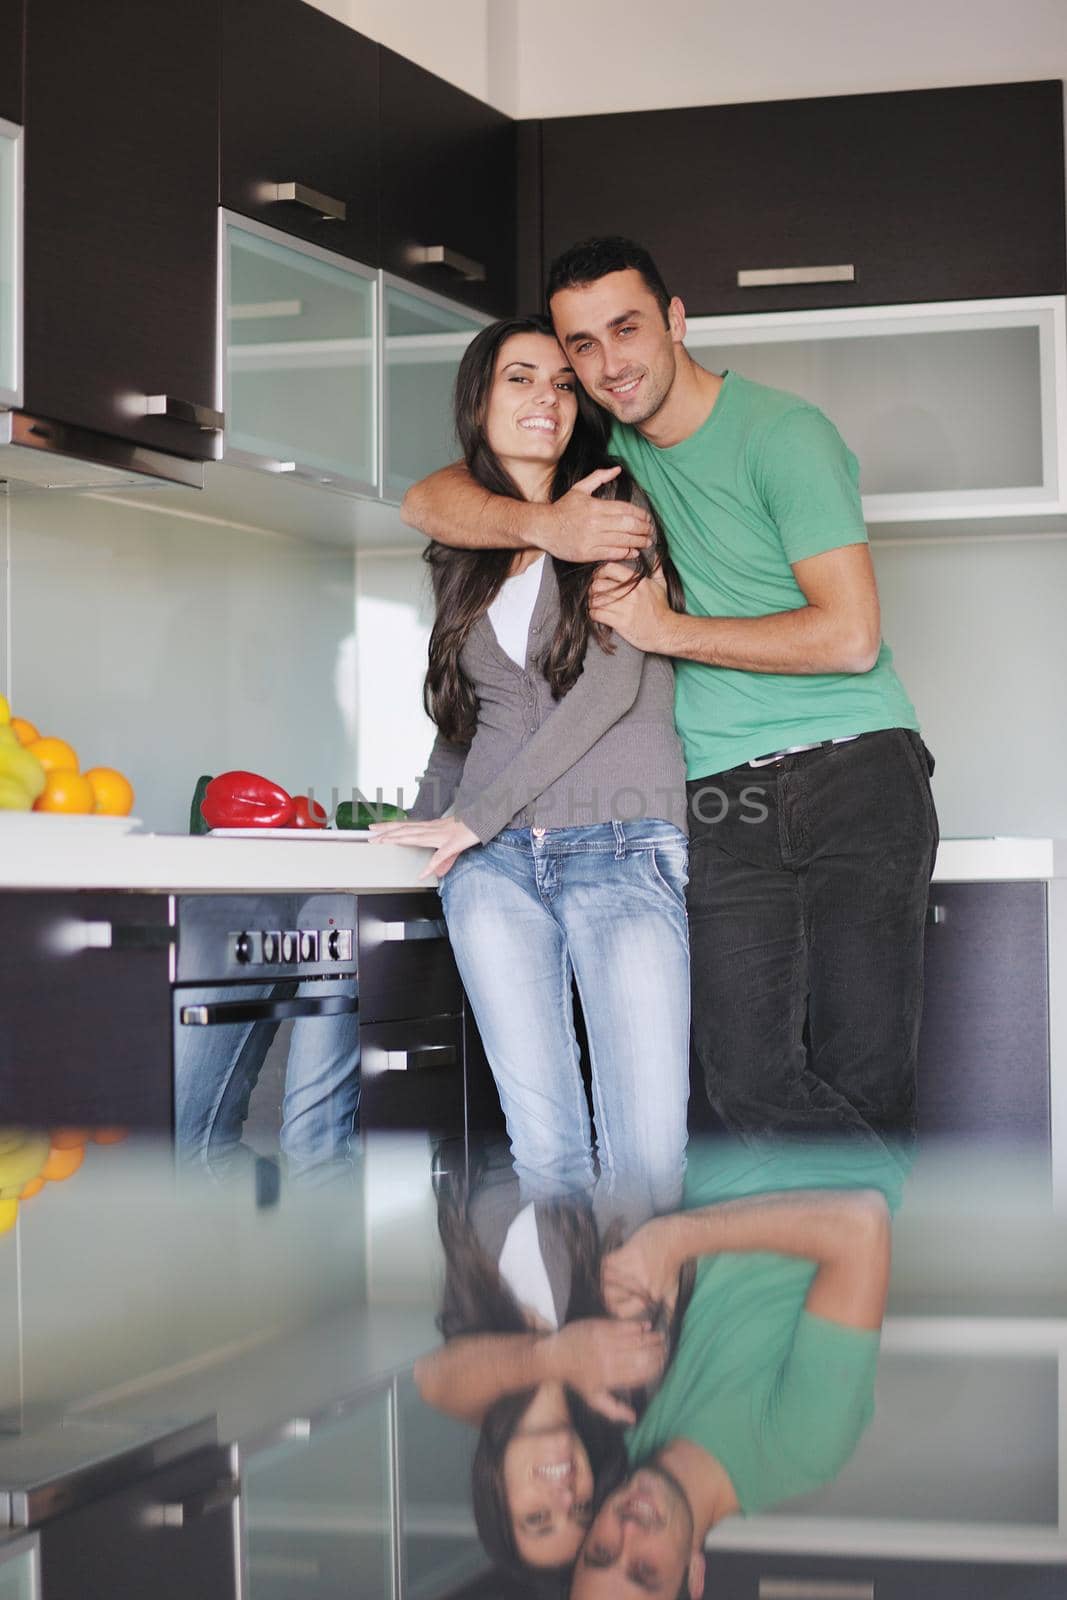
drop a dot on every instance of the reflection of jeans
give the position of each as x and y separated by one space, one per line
807 905
216 1069
606 903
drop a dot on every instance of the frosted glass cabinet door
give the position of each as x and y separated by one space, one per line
19 1579
299 339
318 1511
425 337
954 410
10 264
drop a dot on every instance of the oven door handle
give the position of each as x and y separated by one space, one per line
225 1011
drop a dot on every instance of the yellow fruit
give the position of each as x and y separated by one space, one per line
23 766
5 709
22 1155
54 754
112 792
9 1211
24 731
13 797
65 791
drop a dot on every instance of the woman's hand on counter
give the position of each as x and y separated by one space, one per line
447 837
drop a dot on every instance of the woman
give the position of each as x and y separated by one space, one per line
531 1358
566 854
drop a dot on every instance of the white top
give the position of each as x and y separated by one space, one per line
523 1269
512 610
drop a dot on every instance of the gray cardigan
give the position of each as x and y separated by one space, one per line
607 751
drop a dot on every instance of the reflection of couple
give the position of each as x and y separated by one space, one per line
804 788
764 1298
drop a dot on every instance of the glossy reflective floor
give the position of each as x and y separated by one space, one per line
143 1314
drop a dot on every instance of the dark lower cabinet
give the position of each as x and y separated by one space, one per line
170 1535
447 187
984 1046
11 59
121 206
85 1011
299 105
747 1575
422 1065
931 194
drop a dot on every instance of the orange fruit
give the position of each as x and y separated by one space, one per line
28 1190
62 1163
109 1135
65 791
112 792
69 1138
54 754
24 731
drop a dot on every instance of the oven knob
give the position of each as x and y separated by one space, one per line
309 946
271 942
290 949
333 945
242 948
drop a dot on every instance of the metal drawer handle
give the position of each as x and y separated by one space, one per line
420 928
813 1589
768 277
202 417
73 936
265 1011
427 255
176 1513
420 1058
329 209
936 916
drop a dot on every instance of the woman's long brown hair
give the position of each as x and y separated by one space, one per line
466 582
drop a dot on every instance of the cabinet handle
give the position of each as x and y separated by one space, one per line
71 937
415 928
176 1513
814 1589
203 417
936 916
425 255
418 1058
329 209
768 277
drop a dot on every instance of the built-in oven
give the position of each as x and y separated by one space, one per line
265 979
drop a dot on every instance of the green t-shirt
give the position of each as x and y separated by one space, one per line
778 1396
766 481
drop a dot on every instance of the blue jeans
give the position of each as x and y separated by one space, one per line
216 1068
605 903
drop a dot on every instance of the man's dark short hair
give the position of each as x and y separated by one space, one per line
595 258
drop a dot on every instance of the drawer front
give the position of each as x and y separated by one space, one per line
169 1536
983 1070
749 1575
413 1075
406 966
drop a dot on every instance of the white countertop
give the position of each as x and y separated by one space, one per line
55 858
78 860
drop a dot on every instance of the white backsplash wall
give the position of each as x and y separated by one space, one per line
977 628
394 614
170 646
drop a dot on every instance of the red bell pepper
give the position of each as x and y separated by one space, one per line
245 800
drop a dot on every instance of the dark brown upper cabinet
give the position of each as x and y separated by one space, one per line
121 205
299 129
942 194
447 188
11 60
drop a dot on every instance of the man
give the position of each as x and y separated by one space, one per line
771 1384
812 826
